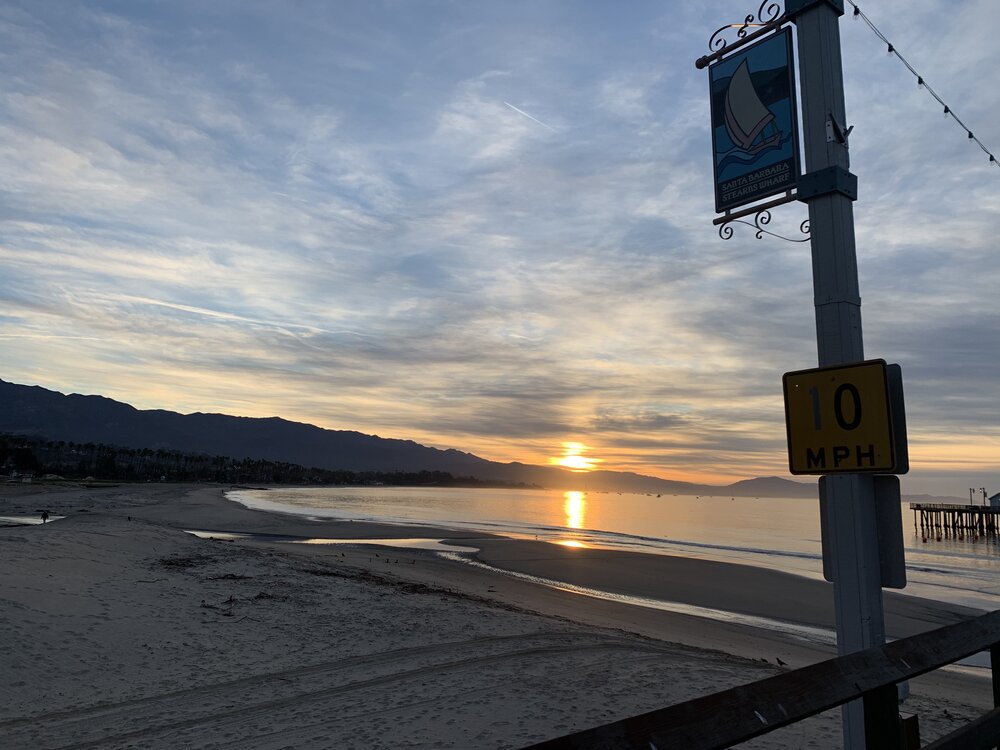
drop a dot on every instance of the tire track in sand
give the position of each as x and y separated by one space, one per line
236 702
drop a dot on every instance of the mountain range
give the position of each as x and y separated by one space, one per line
33 410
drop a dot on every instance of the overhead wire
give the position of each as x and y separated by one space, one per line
921 81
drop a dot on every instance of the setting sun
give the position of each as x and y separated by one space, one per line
573 458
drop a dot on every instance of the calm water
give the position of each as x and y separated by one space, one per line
777 533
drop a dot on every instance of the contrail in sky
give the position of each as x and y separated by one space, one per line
279 325
533 119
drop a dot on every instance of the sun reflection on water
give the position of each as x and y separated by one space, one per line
575 508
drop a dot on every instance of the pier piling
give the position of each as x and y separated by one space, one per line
955 520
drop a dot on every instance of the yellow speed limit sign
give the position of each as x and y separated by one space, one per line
841 419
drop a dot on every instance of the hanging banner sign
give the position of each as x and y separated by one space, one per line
755 142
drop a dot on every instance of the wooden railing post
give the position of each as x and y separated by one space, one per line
995 669
995 664
882 728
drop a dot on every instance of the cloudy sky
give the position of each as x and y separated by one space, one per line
480 225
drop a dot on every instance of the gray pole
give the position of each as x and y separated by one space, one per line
829 188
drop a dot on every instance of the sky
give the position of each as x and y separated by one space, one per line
481 225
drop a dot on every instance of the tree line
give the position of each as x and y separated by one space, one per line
21 455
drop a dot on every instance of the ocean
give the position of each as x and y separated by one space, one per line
777 533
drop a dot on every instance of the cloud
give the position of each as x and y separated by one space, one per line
641 421
479 125
337 215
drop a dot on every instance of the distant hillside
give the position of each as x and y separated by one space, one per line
772 487
32 410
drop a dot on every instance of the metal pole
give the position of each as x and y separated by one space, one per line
850 511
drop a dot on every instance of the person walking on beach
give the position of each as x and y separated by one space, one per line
45 516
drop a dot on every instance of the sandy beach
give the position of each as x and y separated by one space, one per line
119 629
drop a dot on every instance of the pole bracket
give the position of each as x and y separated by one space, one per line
837 133
825 181
794 7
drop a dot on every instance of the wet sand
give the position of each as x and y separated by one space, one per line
133 631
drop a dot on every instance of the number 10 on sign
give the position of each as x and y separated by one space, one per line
846 419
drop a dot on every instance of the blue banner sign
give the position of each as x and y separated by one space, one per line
755 141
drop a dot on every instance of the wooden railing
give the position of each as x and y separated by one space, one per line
732 716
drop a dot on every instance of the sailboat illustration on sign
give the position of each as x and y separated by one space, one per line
748 122
754 122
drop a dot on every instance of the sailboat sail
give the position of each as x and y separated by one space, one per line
746 116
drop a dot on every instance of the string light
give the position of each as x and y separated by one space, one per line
921 83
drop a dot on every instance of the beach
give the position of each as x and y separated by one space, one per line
123 630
